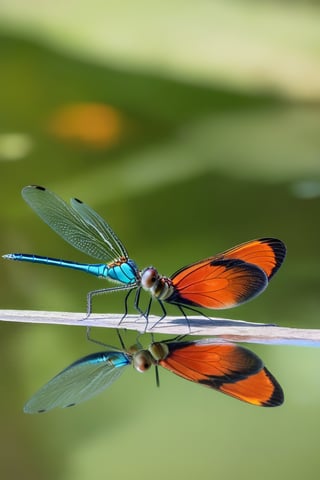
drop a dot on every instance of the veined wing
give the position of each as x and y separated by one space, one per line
79 382
260 389
266 253
217 283
231 277
228 368
209 358
101 227
78 224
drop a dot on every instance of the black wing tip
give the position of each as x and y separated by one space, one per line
279 249
277 397
257 278
78 200
25 191
27 409
36 187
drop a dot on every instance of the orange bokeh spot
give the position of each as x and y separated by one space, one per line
94 125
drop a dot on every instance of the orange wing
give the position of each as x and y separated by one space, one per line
217 284
261 389
230 278
266 253
226 367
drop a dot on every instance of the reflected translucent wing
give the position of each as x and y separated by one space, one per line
78 224
79 382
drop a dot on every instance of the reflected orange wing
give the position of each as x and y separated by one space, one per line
261 389
226 367
230 278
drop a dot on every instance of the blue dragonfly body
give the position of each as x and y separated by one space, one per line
221 281
85 230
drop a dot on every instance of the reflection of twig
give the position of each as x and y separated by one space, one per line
232 330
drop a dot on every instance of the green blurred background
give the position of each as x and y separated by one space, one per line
190 127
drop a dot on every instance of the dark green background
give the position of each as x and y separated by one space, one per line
198 171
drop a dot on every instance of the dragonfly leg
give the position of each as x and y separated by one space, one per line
90 339
146 313
136 304
164 313
90 295
185 316
157 376
125 307
182 310
105 345
120 340
93 293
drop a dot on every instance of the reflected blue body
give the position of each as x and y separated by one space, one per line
114 359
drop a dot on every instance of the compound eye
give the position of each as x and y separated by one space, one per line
142 361
149 277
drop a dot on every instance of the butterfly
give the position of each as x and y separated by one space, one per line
221 281
223 366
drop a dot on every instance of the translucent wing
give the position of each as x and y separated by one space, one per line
78 224
79 382
100 226
226 367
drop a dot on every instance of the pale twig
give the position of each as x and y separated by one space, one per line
227 329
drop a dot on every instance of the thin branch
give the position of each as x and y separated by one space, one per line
232 330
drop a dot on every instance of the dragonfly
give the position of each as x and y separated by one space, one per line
222 366
221 281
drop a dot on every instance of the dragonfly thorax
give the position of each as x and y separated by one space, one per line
124 270
158 286
159 351
143 359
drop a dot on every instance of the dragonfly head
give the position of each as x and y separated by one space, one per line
158 286
142 361
150 279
